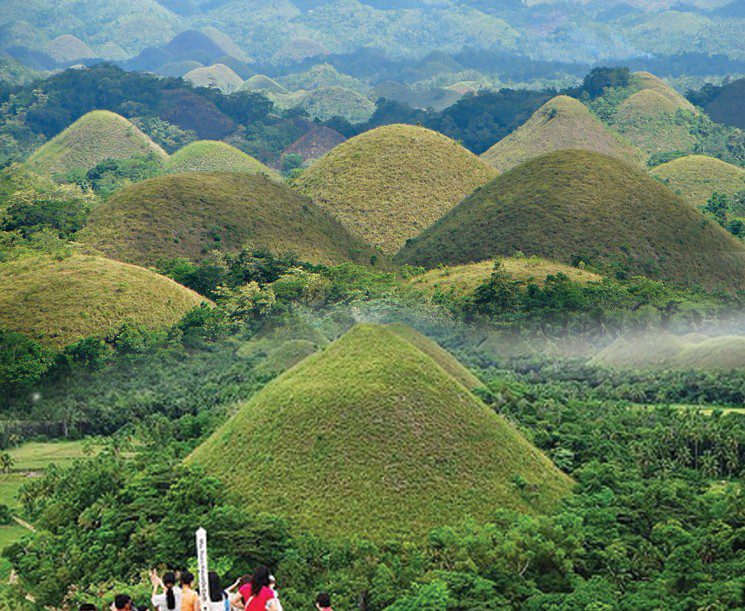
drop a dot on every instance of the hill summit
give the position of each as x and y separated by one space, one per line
376 425
573 206
215 156
187 215
391 182
95 136
561 123
697 177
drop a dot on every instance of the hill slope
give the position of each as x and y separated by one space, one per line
94 137
60 301
389 183
577 205
696 177
561 123
218 76
215 156
187 215
669 351
391 441
463 279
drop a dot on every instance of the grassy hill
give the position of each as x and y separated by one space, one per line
650 82
390 183
463 279
375 421
325 103
94 137
297 50
187 215
259 82
573 206
670 351
218 76
215 156
696 177
648 119
60 301
561 123
68 48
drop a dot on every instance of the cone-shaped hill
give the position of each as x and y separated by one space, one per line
561 123
187 215
58 302
574 206
94 137
215 156
390 183
260 82
217 75
696 177
375 423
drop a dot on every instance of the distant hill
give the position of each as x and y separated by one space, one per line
574 206
314 144
669 351
217 76
376 421
68 48
561 123
463 279
187 215
215 156
58 302
697 177
298 50
391 182
260 82
325 103
94 137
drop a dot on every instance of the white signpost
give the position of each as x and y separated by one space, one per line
204 581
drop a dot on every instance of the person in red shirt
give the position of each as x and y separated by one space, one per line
257 593
323 602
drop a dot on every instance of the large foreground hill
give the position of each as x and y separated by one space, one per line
373 437
573 206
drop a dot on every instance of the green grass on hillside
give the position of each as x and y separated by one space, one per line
697 177
654 123
325 103
187 215
669 351
390 183
94 137
260 82
561 123
217 76
463 279
372 437
215 156
60 301
574 206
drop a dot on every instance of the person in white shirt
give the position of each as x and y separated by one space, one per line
166 594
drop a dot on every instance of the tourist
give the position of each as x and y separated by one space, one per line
122 602
169 596
274 604
257 593
189 598
237 601
218 598
323 602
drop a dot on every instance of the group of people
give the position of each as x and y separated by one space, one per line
257 592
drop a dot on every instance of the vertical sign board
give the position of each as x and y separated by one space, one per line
204 582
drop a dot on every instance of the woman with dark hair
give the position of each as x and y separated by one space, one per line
257 593
218 598
169 597
189 597
237 600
